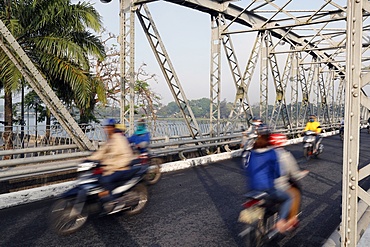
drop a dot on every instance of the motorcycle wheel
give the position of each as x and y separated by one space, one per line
140 192
60 219
255 237
154 174
306 154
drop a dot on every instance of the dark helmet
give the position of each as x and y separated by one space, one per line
256 120
312 118
263 129
109 122
141 121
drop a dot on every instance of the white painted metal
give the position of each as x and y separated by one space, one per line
127 63
215 74
167 68
352 119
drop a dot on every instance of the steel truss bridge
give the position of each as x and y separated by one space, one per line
308 57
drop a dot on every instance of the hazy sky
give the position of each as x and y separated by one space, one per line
186 36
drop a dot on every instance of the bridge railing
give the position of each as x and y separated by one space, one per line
34 161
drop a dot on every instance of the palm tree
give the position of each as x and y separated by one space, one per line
55 35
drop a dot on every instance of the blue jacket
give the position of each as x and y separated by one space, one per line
140 138
261 169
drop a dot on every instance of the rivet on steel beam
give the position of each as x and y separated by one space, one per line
353 187
351 114
355 86
351 138
353 178
350 161
355 95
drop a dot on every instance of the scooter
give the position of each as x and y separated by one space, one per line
341 133
309 145
154 170
259 218
73 208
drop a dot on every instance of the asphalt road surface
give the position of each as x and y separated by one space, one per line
196 207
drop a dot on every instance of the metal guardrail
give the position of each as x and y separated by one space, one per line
160 147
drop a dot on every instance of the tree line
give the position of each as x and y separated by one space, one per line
200 108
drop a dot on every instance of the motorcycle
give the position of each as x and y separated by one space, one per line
259 217
73 208
309 145
154 170
247 147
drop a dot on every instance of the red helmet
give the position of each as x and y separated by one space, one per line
277 140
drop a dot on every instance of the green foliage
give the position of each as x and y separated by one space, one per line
200 108
56 37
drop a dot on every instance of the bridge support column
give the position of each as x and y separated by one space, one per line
351 125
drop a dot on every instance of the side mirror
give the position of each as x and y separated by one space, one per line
105 1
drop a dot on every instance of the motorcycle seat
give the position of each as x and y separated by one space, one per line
264 198
256 194
130 174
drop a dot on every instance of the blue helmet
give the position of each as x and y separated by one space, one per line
109 122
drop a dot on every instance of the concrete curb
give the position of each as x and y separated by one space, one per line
32 195
36 194
184 164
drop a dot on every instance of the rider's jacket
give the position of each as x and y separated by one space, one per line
116 154
313 126
141 141
262 168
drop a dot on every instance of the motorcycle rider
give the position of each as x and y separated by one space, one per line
141 137
314 125
115 155
250 132
290 174
341 130
261 169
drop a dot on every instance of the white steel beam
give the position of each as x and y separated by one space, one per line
127 63
352 119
